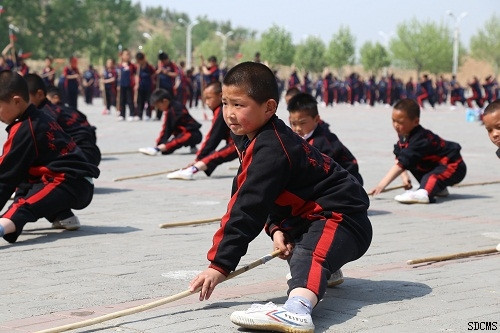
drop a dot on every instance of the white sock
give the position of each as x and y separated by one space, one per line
298 305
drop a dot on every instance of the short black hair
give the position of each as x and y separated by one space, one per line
159 95
212 58
409 106
292 91
492 107
53 91
11 84
162 56
139 56
216 86
258 80
35 83
303 102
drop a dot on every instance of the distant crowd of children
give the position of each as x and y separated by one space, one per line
299 183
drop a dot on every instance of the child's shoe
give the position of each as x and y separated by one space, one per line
193 150
71 223
270 317
335 279
419 196
151 151
186 174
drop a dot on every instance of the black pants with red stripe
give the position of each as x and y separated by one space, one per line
325 247
186 139
52 200
441 176
216 158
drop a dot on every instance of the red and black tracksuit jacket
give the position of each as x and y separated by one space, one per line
286 184
39 153
434 162
218 132
75 123
180 124
328 143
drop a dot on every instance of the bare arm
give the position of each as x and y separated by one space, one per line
392 174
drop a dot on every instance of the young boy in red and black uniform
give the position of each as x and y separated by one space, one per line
434 162
72 121
177 123
306 122
491 120
146 78
316 211
211 72
208 158
477 95
42 162
109 78
166 73
127 73
72 78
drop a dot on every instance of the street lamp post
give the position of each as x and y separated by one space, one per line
224 44
456 41
189 27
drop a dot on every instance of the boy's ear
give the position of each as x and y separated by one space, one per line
317 119
271 106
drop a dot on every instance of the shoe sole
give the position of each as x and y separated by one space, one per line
334 283
413 202
277 327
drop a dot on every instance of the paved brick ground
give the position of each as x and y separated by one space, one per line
120 258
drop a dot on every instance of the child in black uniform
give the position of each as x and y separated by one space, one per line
48 169
305 121
316 211
72 121
177 122
434 162
491 120
208 158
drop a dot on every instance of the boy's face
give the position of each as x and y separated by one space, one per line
402 123
243 114
302 123
37 98
54 99
492 124
162 105
212 99
11 110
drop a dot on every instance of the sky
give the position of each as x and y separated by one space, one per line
368 20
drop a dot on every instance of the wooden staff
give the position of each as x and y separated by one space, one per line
120 152
154 304
477 184
454 256
144 175
195 222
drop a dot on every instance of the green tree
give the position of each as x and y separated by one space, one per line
277 47
341 50
113 22
310 55
248 48
374 57
156 44
423 47
485 44
207 48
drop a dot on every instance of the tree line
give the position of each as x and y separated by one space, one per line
97 29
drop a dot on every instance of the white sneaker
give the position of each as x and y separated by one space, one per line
120 118
419 196
270 317
186 174
136 118
130 118
151 151
146 118
443 193
335 279
71 223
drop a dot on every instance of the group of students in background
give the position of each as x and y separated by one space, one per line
389 90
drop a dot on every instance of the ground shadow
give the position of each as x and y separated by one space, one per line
338 306
49 235
108 190
458 196
373 212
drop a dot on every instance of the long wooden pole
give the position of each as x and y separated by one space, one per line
186 223
477 184
454 256
154 304
144 175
